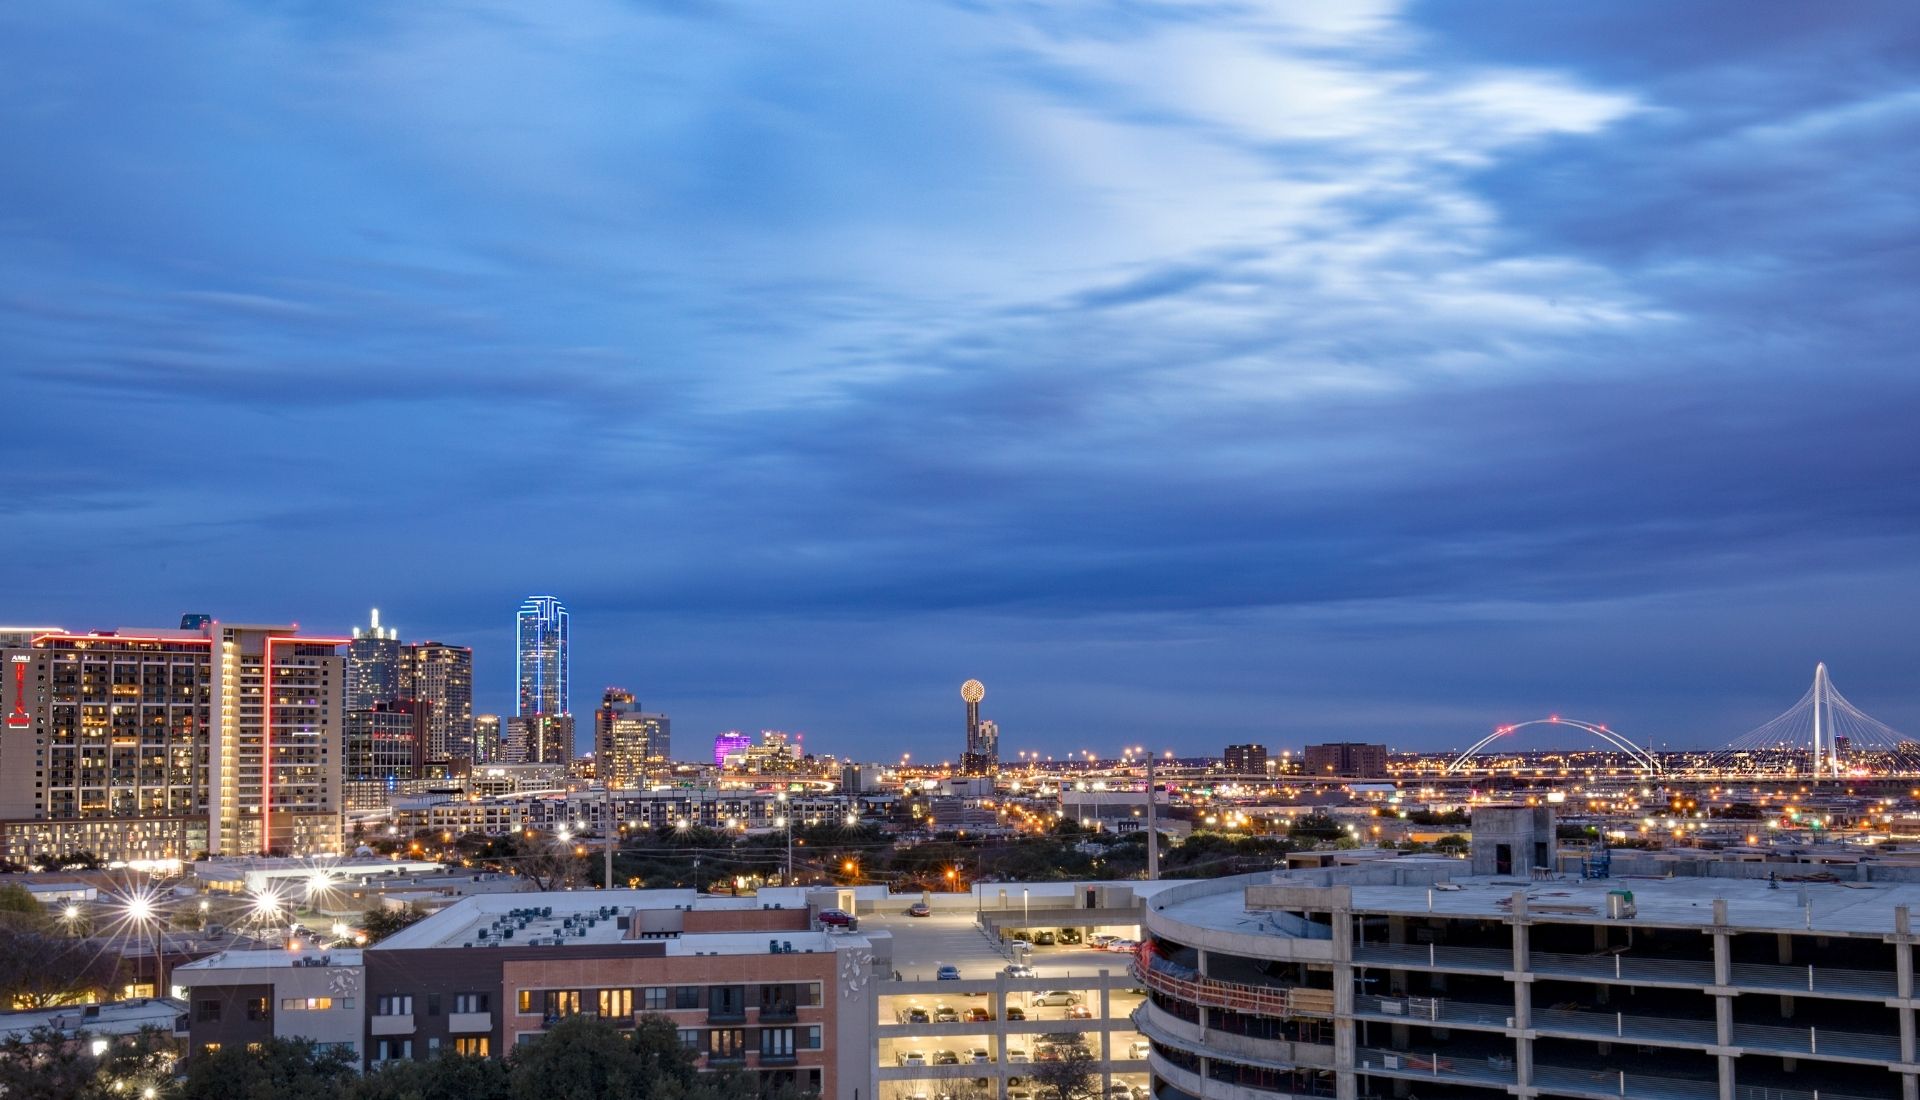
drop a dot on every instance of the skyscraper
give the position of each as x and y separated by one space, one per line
486 738
538 739
373 665
540 658
384 745
626 739
439 677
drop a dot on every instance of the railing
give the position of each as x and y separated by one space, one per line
1759 1092
1810 979
1612 1082
1433 957
1160 976
1620 1025
1816 1041
1441 1010
1494 1070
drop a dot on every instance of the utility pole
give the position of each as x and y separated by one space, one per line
1153 830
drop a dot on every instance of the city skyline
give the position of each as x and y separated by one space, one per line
1246 373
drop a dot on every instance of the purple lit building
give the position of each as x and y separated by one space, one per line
730 743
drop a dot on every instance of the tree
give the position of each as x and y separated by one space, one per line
448 1077
1072 1076
380 922
277 1069
579 1058
19 908
41 971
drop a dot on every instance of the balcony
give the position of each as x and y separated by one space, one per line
390 1025
470 1023
779 1013
779 1059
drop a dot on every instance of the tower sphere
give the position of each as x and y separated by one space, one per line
973 691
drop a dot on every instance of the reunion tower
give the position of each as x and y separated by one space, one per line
983 738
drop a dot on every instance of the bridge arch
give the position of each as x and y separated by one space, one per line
1640 756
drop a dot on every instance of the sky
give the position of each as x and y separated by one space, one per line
1189 372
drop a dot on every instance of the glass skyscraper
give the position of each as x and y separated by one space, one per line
540 657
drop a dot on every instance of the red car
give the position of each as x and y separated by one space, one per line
836 918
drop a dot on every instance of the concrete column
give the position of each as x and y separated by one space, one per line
1106 1033
1200 961
1522 994
1723 1003
1726 1072
1345 1054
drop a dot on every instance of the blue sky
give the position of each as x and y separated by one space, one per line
1188 372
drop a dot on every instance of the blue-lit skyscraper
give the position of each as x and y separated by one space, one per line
540 657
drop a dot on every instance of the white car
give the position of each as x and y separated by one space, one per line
1120 1092
914 1058
1021 970
979 1056
1101 939
1056 998
1139 1048
1020 947
1019 1094
1015 1054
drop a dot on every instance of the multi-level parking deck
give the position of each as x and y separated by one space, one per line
1410 979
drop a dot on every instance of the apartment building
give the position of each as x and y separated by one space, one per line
142 744
1441 979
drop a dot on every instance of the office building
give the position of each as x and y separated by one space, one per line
385 746
540 658
439 677
1419 976
731 744
1246 759
162 743
486 738
538 739
373 665
628 741
1347 758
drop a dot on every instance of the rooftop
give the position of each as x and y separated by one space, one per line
262 959
115 1018
584 918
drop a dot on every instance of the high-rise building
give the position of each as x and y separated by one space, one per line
538 739
373 665
627 740
486 738
385 744
1347 758
540 659
440 678
163 743
982 755
1246 759
730 743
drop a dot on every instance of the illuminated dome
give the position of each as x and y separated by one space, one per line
973 691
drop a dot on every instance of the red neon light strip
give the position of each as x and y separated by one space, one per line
19 717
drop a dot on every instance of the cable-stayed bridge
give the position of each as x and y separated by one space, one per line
1821 736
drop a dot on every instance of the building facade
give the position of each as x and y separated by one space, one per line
486 738
373 665
1245 759
628 741
540 658
385 746
538 739
1346 758
163 743
439 677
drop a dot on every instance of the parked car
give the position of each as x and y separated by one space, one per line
1055 998
919 909
1138 1048
1069 935
918 1015
1015 1012
1120 1092
1019 946
1079 1012
1101 939
1043 939
836 918
1019 1094
977 1015
946 1058
948 973
979 1056
1020 970
1124 946
913 1058
1016 1054
945 1014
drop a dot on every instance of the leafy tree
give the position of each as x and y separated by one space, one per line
278 1069
579 1058
380 922
448 1077
19 908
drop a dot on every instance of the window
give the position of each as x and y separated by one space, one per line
470 1002
654 998
394 1005
810 1038
776 1041
810 993
259 1008
210 1048
727 1000
526 1001
389 1050
562 1002
615 1003
726 1044
690 1038
475 1045
433 1004
206 1011
305 1004
686 996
